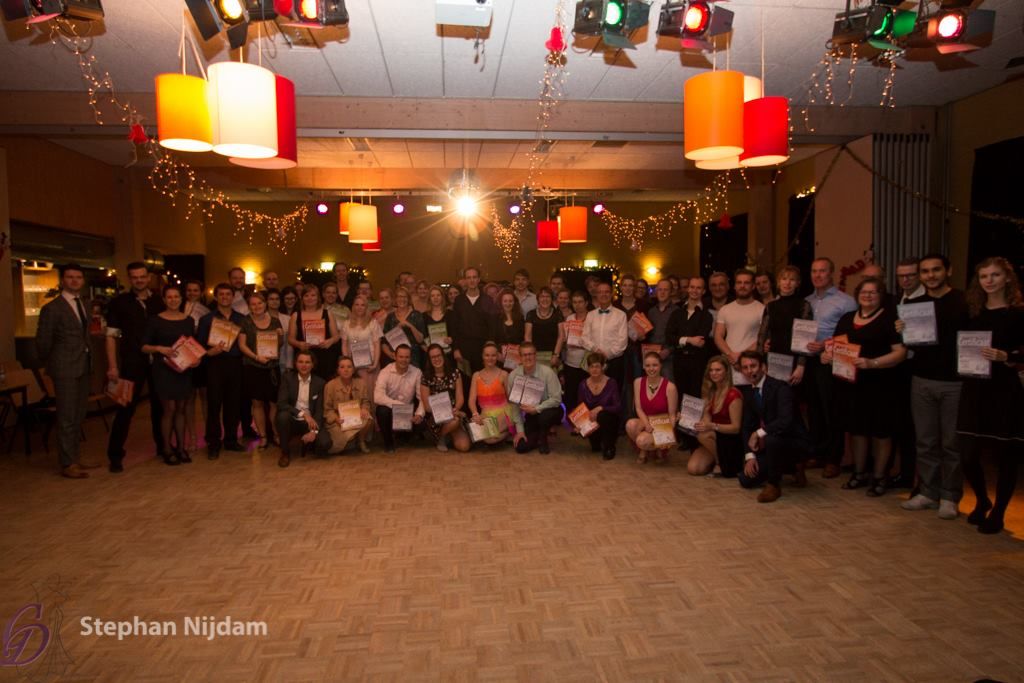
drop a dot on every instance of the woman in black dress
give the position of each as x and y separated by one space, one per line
542 326
173 388
868 408
442 377
325 353
508 327
260 364
412 323
438 314
990 416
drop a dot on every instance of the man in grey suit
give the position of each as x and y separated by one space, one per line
62 340
300 408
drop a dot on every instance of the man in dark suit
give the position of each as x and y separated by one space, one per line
62 340
300 408
771 429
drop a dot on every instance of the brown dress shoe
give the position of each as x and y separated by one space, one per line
283 461
769 494
73 471
831 471
799 476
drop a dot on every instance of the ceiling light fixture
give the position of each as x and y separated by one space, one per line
44 10
611 19
598 207
398 208
213 16
515 208
287 140
465 206
322 208
321 13
693 22
243 109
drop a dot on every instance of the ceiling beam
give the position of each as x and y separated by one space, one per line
68 113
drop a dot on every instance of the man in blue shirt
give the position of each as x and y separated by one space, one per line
829 305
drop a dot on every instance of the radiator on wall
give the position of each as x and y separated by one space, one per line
901 222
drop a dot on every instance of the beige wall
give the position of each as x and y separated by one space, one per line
984 119
843 209
424 244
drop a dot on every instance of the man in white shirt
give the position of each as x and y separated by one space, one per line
300 409
236 278
607 330
737 323
397 384
521 285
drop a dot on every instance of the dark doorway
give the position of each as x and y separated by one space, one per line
801 252
723 249
995 188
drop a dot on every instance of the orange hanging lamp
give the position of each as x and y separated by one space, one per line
751 91
183 113
713 115
362 224
344 212
572 224
547 236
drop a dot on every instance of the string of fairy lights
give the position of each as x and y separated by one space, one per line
171 177
508 238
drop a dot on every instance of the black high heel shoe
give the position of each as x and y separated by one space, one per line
184 457
171 459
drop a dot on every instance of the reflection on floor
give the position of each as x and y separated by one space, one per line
489 565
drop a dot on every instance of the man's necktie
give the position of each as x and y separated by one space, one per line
81 316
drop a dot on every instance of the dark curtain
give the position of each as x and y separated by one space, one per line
802 252
723 249
996 188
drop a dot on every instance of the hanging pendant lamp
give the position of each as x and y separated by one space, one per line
362 224
713 115
751 91
765 132
373 246
243 109
183 113
287 144
572 224
547 236
344 212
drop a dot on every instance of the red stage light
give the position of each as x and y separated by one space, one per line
697 17
951 26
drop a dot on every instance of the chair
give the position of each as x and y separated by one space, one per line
12 404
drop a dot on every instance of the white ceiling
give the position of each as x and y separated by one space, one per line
393 48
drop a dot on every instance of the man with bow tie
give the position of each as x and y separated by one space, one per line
606 330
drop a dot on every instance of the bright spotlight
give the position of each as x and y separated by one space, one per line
398 208
515 209
322 208
599 207
466 206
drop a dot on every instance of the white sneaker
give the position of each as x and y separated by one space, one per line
920 502
948 510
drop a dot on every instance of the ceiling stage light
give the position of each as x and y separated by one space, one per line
611 19
515 208
398 208
319 13
599 207
950 26
694 21
43 10
466 206
213 16
322 208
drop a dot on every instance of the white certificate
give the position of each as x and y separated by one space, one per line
780 366
920 326
441 407
401 417
969 361
691 410
804 331
396 336
362 354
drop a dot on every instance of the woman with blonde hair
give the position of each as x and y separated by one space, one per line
411 321
421 298
362 328
652 395
718 431
987 418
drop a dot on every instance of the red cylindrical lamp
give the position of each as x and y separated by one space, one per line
765 132
547 236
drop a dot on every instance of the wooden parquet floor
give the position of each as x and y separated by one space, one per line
487 566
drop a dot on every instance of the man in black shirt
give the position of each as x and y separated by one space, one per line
127 318
224 376
935 395
472 312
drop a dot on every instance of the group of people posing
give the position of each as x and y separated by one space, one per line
754 381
